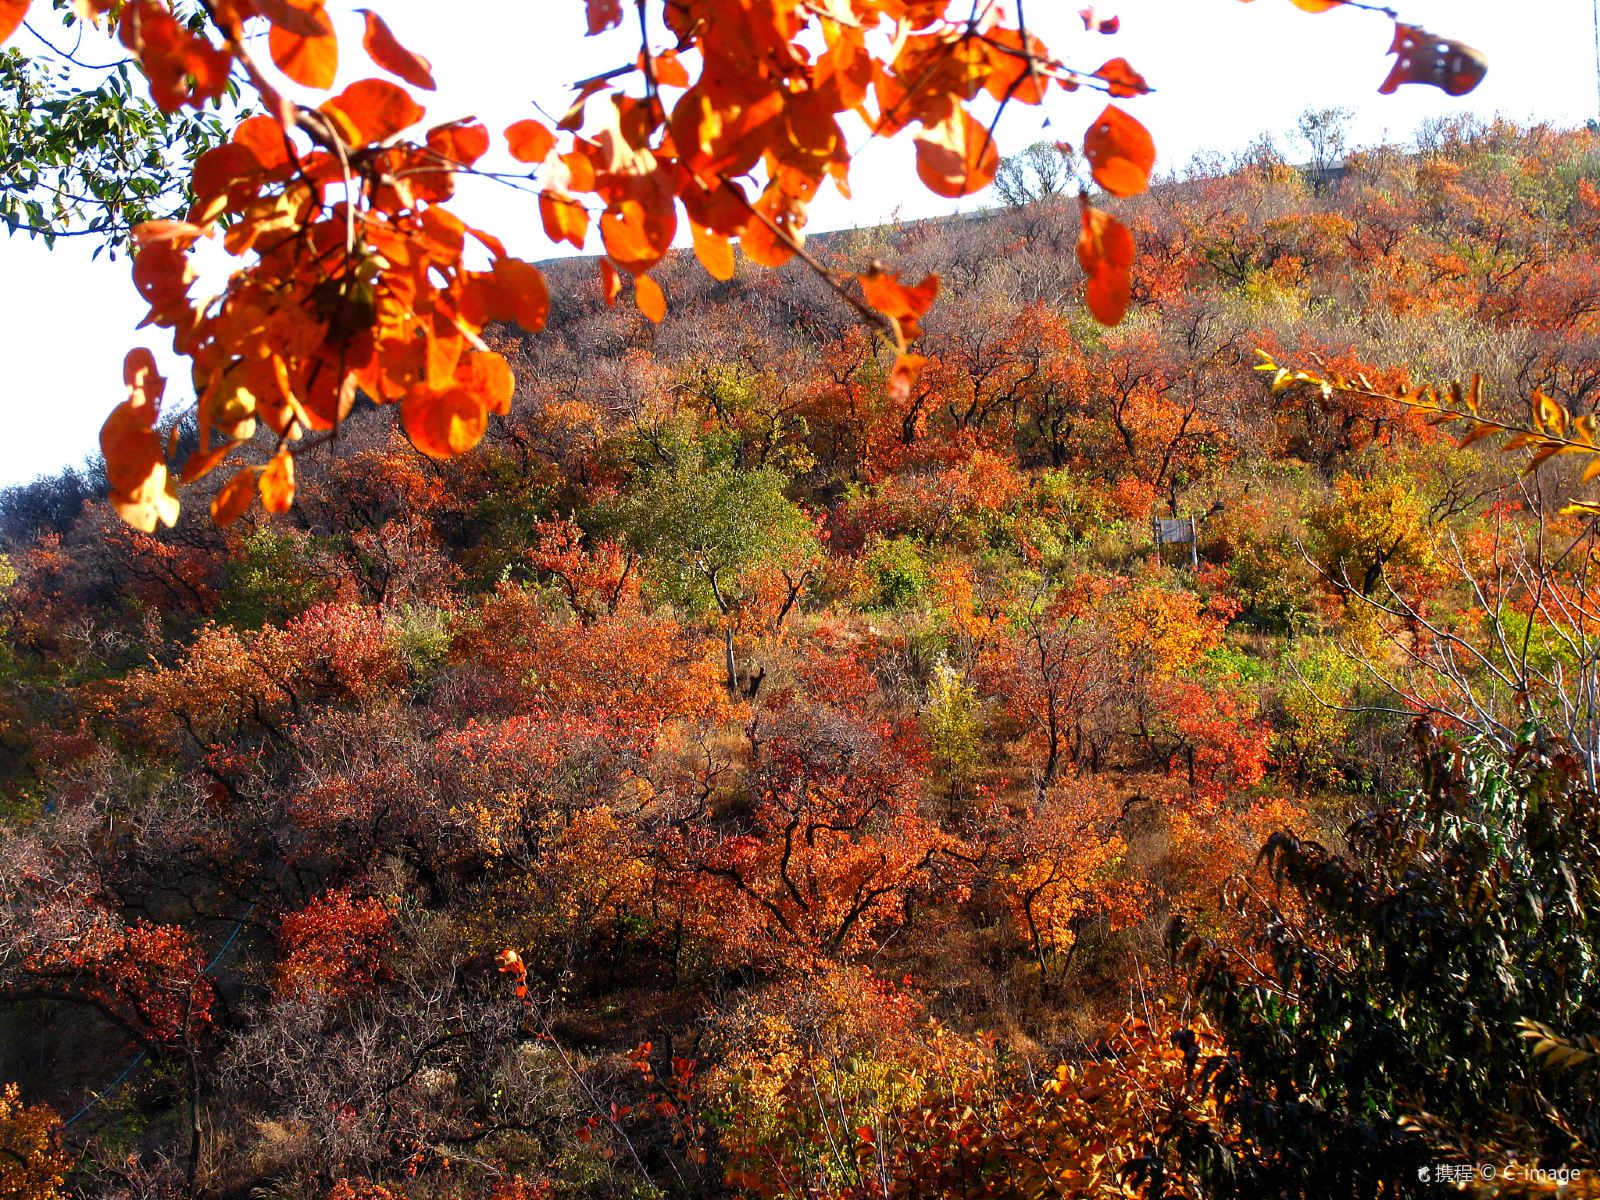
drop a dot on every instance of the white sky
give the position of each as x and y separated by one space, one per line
1223 72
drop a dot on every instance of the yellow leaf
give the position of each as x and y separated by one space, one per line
1548 415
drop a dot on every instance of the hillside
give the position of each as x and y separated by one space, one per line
736 777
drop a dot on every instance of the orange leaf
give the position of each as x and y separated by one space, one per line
1105 251
957 156
714 251
651 300
235 498
565 219
131 447
445 423
638 228
529 141
669 71
1121 79
1120 152
372 110
311 61
384 48
489 376
144 381
200 464
142 491
277 483
12 13
155 499
904 376
264 138
610 282
763 246
526 296
888 295
292 17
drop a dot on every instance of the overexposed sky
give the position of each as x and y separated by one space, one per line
1223 71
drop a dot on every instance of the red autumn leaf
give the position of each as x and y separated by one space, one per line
904 376
372 110
293 17
603 15
200 464
529 141
264 138
1105 251
957 156
888 295
463 142
384 48
638 228
142 491
526 298
651 300
669 71
181 67
488 376
1452 67
1121 79
1120 152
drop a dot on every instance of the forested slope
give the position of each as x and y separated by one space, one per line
739 777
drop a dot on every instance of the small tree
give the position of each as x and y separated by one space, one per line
714 535
1325 134
1043 170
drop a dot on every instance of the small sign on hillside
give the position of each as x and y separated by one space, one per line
1176 531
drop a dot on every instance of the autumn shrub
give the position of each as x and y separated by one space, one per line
1073 507
422 636
895 572
1259 541
953 721
813 1106
1317 684
1370 525
273 576
37 1162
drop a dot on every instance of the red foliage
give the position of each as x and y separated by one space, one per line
334 946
